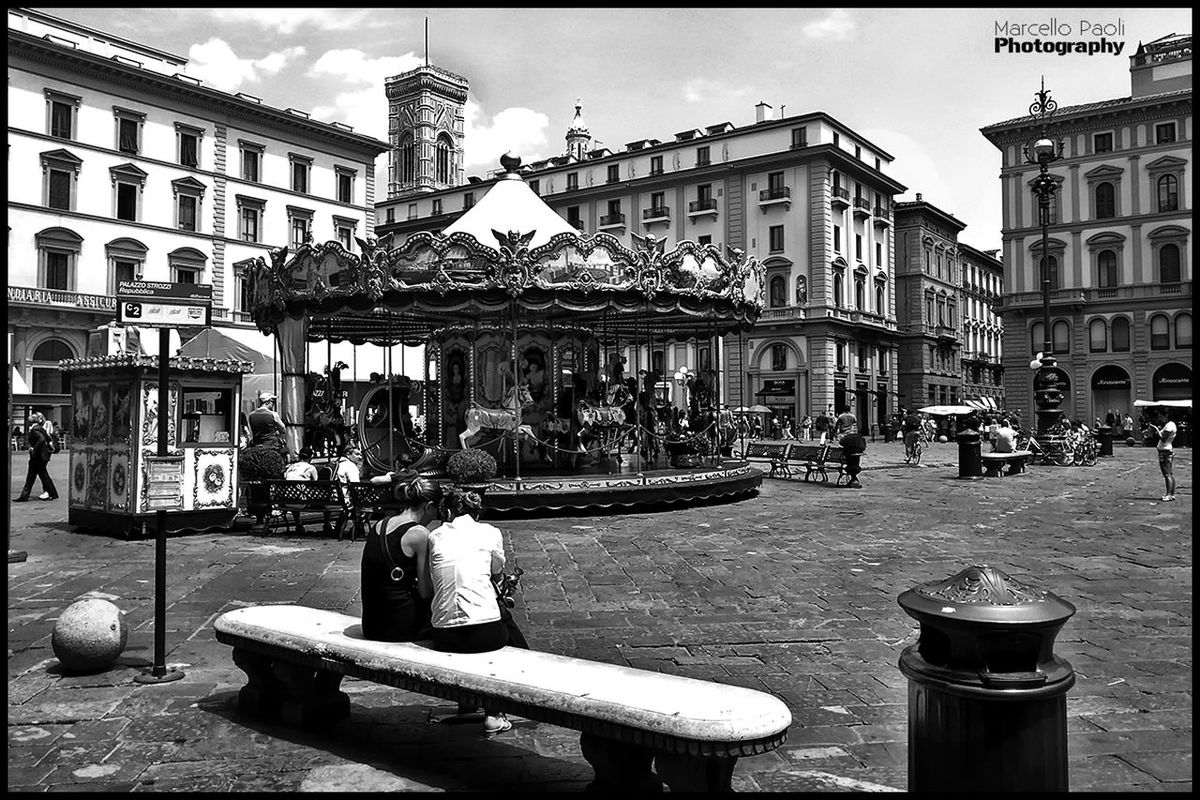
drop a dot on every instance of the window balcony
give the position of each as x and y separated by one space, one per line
703 162
609 221
699 208
656 170
883 216
656 214
840 196
775 195
862 207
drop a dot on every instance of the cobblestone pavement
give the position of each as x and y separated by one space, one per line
792 592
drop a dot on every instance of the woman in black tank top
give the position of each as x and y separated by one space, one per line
395 585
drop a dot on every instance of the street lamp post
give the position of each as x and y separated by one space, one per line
1048 379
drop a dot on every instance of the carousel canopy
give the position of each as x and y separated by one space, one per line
184 363
509 261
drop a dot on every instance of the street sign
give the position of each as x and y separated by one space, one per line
153 304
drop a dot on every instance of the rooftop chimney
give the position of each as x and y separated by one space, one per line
918 197
760 111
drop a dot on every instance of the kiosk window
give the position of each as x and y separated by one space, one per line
206 415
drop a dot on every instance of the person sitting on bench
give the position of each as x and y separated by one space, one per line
466 557
395 576
1006 438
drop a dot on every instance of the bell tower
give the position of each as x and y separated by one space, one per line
425 130
578 137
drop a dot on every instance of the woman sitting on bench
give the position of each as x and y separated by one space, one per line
466 558
395 580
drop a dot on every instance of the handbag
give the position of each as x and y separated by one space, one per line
506 587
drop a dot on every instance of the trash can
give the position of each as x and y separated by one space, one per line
970 465
987 704
1105 435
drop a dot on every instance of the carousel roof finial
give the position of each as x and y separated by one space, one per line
511 164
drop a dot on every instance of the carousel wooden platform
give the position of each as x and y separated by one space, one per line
627 487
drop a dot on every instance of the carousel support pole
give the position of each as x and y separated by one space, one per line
742 394
512 364
354 387
391 415
328 374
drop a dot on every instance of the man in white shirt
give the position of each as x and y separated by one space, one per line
1166 430
349 466
1005 438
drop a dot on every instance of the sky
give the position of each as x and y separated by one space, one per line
919 83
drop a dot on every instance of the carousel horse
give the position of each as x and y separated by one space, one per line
479 418
601 424
324 423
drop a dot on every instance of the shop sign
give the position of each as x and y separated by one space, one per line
778 386
61 299
1108 378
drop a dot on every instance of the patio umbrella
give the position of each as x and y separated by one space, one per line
760 410
947 410
1166 403
738 410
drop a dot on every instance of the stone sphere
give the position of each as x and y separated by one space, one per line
89 635
943 439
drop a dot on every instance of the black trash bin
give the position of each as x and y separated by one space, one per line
987 705
1104 434
970 465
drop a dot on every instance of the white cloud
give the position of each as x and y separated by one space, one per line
289 20
702 90
364 107
519 130
215 63
838 25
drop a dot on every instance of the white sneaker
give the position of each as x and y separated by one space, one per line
1166 497
46 496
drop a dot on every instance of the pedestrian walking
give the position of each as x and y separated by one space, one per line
806 428
40 451
1165 430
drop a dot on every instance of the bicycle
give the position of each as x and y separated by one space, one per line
912 453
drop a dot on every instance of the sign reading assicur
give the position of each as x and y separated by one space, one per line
164 305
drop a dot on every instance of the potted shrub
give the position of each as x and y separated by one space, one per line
471 467
257 464
688 451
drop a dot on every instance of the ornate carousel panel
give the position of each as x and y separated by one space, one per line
79 476
118 479
98 413
97 479
121 427
150 414
213 476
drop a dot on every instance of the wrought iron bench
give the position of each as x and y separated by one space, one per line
291 498
814 458
639 728
775 453
366 500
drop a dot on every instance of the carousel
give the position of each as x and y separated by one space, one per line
529 330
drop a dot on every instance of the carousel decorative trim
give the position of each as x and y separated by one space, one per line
151 362
213 485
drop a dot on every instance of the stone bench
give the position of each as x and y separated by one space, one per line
691 731
994 462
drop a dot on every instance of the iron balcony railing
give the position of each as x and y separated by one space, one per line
775 193
703 205
656 212
612 219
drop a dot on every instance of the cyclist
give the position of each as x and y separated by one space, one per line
912 435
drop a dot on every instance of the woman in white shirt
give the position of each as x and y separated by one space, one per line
465 557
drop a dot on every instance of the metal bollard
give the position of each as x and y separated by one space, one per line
970 465
987 705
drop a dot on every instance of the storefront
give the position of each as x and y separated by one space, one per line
779 395
1172 382
1111 386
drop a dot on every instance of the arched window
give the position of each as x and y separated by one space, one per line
1120 335
408 159
1160 333
1106 269
950 313
879 300
1168 193
1183 331
776 298
929 309
837 290
1106 201
860 290
778 357
1051 265
444 148
1037 338
1098 335
58 252
1062 337
1168 263
47 377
